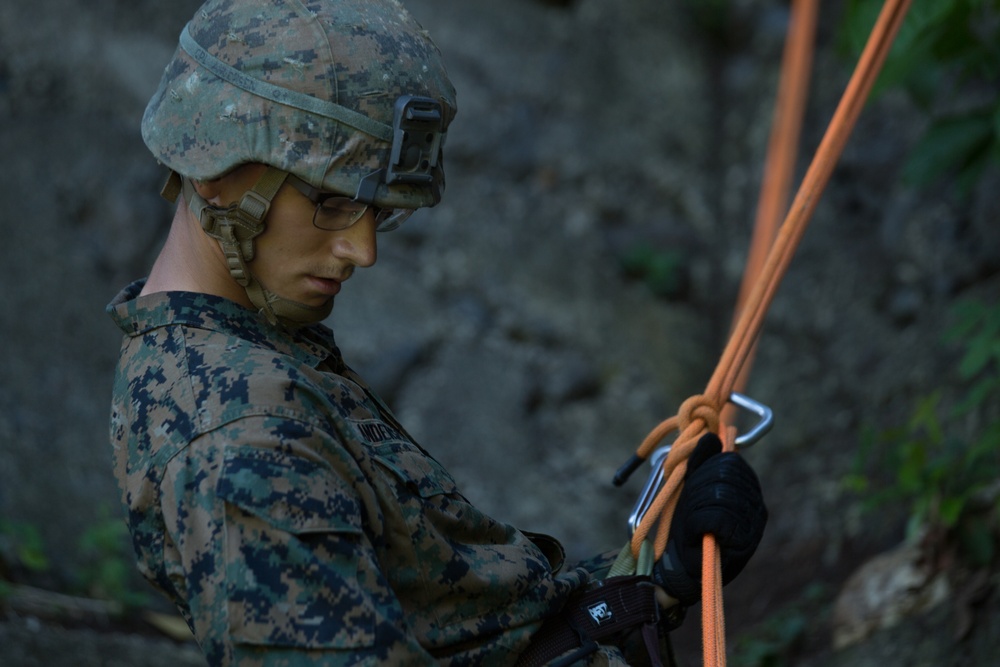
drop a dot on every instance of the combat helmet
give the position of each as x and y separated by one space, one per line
347 96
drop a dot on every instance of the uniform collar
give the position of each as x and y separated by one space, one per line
136 315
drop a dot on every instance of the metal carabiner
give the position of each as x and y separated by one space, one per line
650 489
761 428
659 455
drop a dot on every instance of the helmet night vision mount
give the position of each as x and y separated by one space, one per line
418 133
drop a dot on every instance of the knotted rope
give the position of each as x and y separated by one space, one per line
701 413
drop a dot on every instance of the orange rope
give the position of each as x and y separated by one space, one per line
701 413
779 167
804 205
782 148
713 622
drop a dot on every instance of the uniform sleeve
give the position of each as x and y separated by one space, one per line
271 553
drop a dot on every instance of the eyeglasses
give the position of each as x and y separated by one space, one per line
336 212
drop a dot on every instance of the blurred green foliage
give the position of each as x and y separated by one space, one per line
22 547
944 462
773 641
947 59
106 565
22 550
103 566
662 271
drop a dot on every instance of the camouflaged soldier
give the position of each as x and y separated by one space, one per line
270 494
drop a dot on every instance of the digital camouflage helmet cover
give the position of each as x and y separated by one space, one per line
349 96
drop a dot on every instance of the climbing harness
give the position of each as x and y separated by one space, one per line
603 613
772 249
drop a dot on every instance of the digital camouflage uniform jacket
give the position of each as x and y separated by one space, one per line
277 502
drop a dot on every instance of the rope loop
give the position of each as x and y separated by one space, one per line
699 407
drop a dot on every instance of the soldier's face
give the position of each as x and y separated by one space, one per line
296 260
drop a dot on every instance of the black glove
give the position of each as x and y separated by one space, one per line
721 496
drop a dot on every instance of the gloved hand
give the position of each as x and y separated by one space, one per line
721 496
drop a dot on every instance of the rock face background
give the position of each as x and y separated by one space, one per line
502 325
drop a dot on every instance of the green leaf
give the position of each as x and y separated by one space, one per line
664 275
976 539
856 483
637 259
925 418
943 48
25 545
951 144
952 36
967 313
981 393
912 62
917 521
989 443
859 17
951 510
977 356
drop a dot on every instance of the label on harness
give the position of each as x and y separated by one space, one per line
600 612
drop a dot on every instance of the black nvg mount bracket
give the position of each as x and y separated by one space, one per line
418 132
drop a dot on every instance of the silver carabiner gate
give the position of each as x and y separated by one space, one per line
649 491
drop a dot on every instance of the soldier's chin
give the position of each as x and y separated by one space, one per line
298 313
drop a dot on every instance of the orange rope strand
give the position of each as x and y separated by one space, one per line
713 622
782 148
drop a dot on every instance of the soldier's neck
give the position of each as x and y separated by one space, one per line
191 261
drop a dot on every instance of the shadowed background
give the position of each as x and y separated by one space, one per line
574 286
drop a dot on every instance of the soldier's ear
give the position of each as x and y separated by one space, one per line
230 187
208 190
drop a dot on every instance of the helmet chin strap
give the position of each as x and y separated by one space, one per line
235 228
285 312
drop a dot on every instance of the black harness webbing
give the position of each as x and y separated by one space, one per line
619 604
